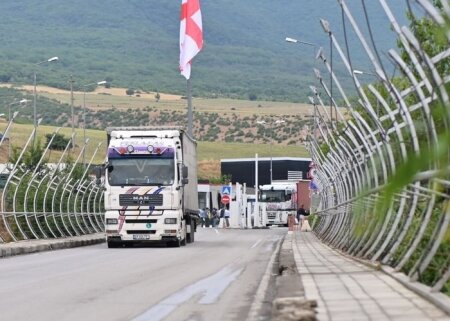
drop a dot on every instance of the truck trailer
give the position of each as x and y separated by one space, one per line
150 186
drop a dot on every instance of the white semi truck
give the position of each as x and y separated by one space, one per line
150 186
280 200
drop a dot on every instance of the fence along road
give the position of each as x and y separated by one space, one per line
382 166
357 155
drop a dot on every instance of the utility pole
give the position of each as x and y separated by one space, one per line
71 81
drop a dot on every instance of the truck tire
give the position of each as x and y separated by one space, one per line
176 243
112 244
190 236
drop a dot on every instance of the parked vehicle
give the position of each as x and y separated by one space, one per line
150 186
280 200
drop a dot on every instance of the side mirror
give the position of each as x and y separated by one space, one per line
184 181
185 172
98 172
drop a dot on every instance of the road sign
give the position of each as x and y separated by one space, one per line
226 190
225 199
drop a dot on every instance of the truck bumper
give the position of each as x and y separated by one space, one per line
148 229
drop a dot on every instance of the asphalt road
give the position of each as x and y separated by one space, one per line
222 276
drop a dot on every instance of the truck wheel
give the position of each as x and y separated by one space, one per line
112 244
176 243
190 236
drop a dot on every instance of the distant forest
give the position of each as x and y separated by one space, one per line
134 44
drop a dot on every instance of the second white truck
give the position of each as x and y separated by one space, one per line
150 186
280 200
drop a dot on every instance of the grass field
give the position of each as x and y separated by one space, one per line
209 153
106 98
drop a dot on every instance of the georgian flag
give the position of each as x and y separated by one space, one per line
191 34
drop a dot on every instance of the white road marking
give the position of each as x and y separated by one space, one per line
256 244
211 288
253 314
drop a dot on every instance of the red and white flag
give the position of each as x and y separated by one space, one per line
191 34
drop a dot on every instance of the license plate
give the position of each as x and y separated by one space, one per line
141 237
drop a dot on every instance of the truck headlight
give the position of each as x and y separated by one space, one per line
170 221
111 221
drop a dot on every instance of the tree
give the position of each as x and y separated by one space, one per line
130 91
252 96
431 36
58 143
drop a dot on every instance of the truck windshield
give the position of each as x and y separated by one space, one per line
141 171
274 196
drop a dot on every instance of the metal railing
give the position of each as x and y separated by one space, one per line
382 166
42 200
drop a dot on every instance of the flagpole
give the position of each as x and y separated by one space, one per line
190 114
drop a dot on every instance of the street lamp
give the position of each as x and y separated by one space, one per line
313 102
71 81
20 102
326 27
276 122
52 59
99 83
293 40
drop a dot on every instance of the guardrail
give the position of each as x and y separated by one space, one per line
382 166
43 200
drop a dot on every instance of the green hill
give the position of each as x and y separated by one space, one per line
134 43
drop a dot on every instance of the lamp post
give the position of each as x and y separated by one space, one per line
272 124
71 81
52 59
20 102
103 82
326 27
293 40
362 72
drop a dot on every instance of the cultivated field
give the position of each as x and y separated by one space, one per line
106 98
209 153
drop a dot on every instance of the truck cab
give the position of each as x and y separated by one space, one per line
279 200
150 187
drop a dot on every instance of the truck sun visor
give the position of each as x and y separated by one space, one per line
130 150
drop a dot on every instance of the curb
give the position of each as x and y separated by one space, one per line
288 282
290 302
34 246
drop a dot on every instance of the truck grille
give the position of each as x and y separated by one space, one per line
134 199
140 221
141 232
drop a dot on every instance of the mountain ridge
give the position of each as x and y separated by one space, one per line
135 44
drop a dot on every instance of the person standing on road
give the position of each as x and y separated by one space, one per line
209 218
202 214
226 217
215 217
301 213
306 227
221 217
